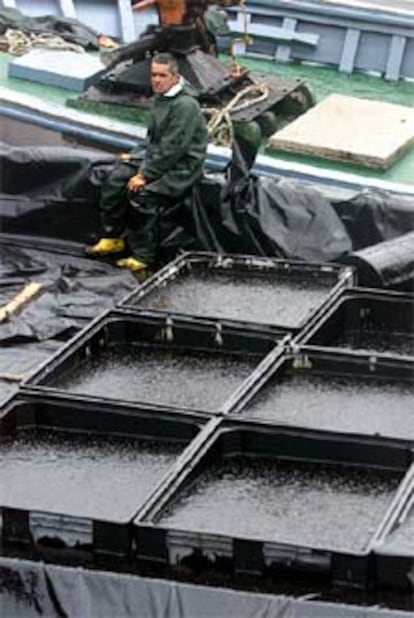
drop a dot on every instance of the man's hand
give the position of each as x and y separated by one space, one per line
137 182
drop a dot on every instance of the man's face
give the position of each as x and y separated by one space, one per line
161 78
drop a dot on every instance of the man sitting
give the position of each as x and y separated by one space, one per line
145 182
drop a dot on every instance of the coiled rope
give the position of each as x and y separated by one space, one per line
220 125
19 42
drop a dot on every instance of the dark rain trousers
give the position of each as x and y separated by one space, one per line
172 161
135 216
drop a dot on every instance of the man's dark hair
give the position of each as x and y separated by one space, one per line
169 59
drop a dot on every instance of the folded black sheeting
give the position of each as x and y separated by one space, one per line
74 290
50 191
30 589
387 264
70 29
373 216
54 192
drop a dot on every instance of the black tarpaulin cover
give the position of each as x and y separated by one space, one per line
55 191
29 589
373 216
70 29
74 290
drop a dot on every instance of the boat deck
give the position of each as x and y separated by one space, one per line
35 104
396 6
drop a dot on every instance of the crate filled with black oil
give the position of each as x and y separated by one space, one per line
253 291
333 391
94 478
288 497
65 468
374 321
155 361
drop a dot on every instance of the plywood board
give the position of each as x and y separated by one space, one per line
370 133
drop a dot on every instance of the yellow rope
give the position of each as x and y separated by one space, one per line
220 126
20 43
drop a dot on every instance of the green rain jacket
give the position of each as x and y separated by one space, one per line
177 141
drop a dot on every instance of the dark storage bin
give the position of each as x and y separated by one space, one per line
354 393
375 321
8 389
256 292
77 474
153 361
260 498
394 546
64 415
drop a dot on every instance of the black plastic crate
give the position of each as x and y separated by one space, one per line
350 392
258 499
77 475
8 389
154 362
375 321
394 545
40 413
257 292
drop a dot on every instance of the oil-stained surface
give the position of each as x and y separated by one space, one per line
382 342
270 299
303 504
163 377
105 479
334 403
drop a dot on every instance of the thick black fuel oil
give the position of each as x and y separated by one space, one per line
164 377
259 299
346 404
288 502
105 479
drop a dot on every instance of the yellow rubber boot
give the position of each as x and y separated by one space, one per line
133 264
106 246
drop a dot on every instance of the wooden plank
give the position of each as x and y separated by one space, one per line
29 293
283 51
349 50
395 57
68 8
285 34
371 133
127 21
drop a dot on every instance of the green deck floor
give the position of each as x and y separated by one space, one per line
322 82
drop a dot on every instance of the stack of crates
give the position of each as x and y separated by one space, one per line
248 415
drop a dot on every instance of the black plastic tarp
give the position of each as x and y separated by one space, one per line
29 589
73 291
373 216
70 29
54 192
